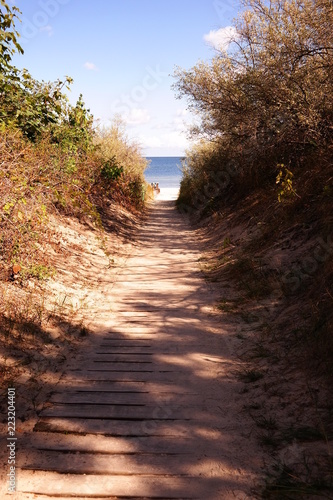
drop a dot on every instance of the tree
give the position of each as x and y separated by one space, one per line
268 100
26 103
8 36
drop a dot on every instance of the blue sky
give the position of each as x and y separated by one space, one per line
122 54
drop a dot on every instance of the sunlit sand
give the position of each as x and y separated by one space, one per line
167 194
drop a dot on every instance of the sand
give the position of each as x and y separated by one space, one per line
151 406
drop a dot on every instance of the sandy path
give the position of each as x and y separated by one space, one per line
152 408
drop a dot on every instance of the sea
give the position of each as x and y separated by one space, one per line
167 171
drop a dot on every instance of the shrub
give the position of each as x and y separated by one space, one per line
268 101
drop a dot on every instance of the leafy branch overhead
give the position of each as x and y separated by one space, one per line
267 100
8 35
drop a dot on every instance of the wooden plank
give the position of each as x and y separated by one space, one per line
122 362
118 347
134 354
128 412
135 332
119 336
125 358
144 398
106 444
96 463
114 375
91 486
151 386
108 379
123 428
118 366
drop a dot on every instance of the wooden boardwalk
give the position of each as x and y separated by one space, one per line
150 409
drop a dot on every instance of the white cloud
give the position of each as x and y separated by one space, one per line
47 29
162 126
221 39
170 141
137 116
179 124
168 138
183 112
150 142
176 140
182 121
90 66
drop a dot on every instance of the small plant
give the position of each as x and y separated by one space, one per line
267 423
83 331
327 190
226 242
38 271
259 351
227 306
287 484
285 181
27 307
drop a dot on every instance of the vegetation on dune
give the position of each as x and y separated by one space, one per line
266 105
262 162
53 160
122 161
266 134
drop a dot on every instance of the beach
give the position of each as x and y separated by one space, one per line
170 193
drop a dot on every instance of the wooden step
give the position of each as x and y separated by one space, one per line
130 412
108 486
135 428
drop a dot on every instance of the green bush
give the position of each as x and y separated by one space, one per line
111 171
